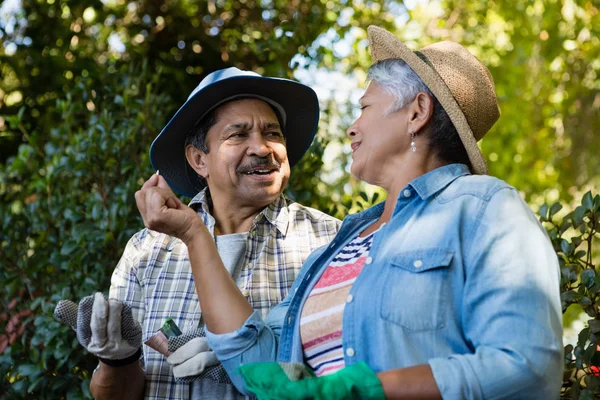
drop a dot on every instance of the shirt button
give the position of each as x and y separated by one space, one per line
246 292
289 320
369 260
252 233
249 266
418 264
406 193
350 352
349 298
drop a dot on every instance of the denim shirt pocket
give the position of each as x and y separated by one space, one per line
415 288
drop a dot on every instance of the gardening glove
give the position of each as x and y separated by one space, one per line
270 381
193 359
104 327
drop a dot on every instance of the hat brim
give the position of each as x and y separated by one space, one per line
384 45
299 102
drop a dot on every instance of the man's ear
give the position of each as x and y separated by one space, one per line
421 111
197 160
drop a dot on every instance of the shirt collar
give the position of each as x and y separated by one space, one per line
276 213
434 181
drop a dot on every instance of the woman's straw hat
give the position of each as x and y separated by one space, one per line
460 82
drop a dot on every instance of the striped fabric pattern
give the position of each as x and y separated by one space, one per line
154 276
321 320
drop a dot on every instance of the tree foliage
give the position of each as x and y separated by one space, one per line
575 237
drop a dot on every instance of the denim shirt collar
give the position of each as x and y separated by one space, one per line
435 181
425 186
275 213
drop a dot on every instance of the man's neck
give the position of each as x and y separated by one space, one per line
233 219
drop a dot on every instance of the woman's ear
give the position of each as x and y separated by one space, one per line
421 111
197 160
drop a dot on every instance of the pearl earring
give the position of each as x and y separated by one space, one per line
413 146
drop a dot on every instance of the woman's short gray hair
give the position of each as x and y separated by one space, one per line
399 80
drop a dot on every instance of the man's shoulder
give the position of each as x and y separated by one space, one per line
299 211
147 239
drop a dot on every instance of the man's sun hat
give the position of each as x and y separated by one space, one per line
296 104
460 82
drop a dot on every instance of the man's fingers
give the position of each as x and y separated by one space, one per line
173 202
189 350
66 312
162 183
195 365
98 322
140 201
151 182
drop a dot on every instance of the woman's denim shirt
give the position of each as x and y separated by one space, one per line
463 278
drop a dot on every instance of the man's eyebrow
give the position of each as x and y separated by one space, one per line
239 126
271 125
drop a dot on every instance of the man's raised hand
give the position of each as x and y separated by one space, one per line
163 212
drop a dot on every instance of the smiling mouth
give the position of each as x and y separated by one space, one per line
259 172
355 146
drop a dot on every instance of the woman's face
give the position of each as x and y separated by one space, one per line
380 138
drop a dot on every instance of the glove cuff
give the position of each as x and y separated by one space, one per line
124 361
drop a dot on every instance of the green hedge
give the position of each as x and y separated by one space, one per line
67 210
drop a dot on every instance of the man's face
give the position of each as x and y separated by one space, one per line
247 162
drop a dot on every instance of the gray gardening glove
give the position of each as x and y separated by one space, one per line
193 359
104 327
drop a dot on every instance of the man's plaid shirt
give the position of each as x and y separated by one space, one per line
155 278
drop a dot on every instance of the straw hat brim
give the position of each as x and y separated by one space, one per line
384 45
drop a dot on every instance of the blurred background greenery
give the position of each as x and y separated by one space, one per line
85 86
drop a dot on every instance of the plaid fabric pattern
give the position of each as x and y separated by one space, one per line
155 279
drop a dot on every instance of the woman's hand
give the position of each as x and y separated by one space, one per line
163 212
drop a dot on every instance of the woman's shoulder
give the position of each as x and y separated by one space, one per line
482 187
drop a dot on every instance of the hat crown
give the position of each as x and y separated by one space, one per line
469 81
220 75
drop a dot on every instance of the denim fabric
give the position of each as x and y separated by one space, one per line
463 278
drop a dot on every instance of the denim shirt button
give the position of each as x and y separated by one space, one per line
350 352
406 193
349 298
369 260
289 321
418 264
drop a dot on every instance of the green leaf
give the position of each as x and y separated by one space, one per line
587 201
556 207
582 338
543 212
594 325
588 277
68 247
29 370
565 246
578 216
597 203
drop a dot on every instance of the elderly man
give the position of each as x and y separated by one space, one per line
230 147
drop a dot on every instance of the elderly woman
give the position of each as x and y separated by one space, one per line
448 289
